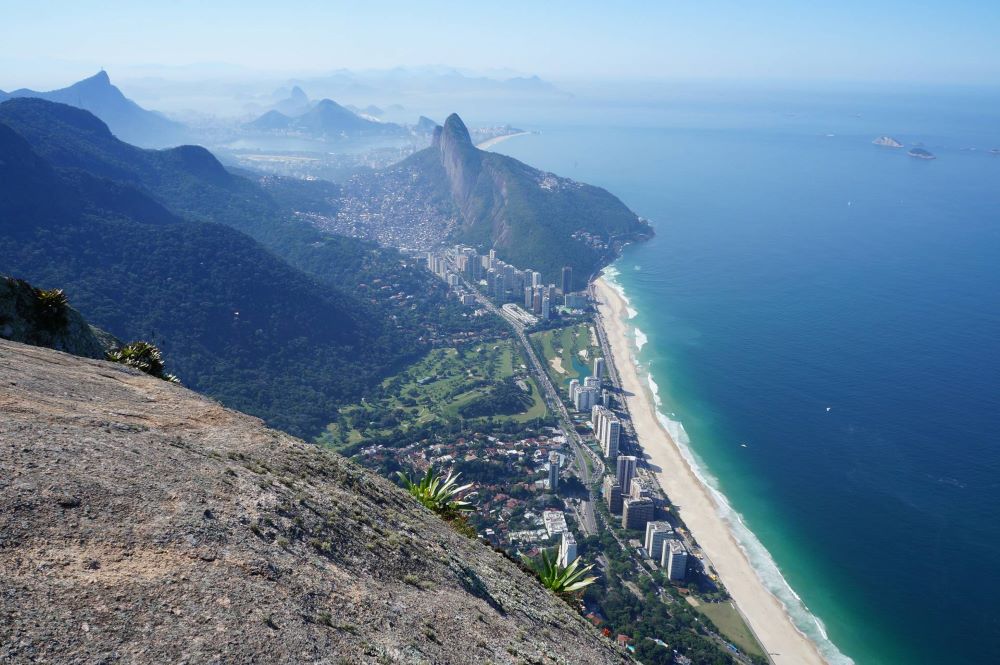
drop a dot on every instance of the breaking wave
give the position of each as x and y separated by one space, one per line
758 556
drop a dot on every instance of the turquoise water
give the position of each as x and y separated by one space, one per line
823 318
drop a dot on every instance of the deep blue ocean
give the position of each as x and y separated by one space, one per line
823 318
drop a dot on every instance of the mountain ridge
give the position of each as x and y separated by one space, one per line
232 317
325 119
532 218
127 119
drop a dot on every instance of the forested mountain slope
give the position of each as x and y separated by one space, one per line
131 235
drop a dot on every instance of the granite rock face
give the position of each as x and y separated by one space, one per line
21 321
141 522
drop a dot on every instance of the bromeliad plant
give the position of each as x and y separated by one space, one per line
144 357
563 581
51 306
438 493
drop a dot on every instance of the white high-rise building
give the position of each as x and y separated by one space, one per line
592 382
657 534
636 513
599 368
674 561
567 549
546 308
536 279
508 276
553 471
574 386
626 472
584 399
611 437
640 489
596 414
607 430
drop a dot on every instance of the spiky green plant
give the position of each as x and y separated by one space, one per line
144 357
563 581
50 307
438 493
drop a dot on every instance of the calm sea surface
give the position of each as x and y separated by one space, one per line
823 318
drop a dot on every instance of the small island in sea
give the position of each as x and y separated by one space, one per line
888 142
920 153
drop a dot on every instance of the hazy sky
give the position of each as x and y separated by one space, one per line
44 43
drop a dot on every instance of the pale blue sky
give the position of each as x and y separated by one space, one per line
45 42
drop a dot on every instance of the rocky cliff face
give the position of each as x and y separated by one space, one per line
463 166
140 522
23 319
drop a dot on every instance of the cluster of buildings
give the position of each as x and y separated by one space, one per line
607 430
389 207
589 394
504 282
632 497
663 546
511 510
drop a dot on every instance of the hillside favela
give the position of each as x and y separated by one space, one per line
560 333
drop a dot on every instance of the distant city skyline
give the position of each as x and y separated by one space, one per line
888 40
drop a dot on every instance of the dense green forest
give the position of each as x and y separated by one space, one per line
503 398
249 304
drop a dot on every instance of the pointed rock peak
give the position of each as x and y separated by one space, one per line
455 131
100 78
298 93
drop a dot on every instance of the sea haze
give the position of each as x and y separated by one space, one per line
823 317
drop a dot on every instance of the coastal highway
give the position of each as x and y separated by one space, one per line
585 508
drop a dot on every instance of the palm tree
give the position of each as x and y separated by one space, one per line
562 580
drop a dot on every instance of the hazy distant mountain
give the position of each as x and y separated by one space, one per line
296 103
370 110
425 125
327 119
126 119
271 121
403 82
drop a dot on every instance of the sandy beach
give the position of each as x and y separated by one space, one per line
695 504
489 143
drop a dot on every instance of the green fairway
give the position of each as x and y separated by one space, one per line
568 353
730 623
437 388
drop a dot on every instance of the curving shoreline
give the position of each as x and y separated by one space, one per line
763 611
489 143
